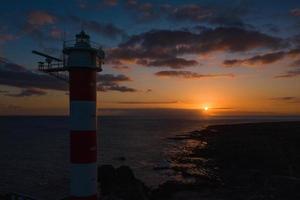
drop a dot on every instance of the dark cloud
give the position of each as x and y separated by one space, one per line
107 30
174 63
289 74
295 12
3 92
82 4
121 68
4 37
191 75
222 108
143 11
40 18
164 44
41 27
230 16
147 102
295 63
120 88
288 99
28 92
111 82
191 12
259 59
36 21
15 75
111 2
107 78
283 98
272 28
263 59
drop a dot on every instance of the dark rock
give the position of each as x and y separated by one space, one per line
107 178
121 183
125 175
121 158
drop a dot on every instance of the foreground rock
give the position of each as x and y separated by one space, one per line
120 183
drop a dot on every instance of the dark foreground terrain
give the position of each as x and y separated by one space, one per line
244 161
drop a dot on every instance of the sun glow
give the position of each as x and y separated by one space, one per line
205 108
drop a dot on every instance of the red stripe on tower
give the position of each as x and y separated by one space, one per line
83 147
83 84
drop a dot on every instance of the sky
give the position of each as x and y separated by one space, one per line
221 57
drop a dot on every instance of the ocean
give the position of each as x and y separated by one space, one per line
34 151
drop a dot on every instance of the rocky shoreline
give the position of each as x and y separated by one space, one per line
243 161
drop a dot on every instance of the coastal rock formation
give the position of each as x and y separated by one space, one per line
120 183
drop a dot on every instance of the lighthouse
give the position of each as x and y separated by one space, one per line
82 60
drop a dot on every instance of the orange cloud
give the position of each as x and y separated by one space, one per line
40 18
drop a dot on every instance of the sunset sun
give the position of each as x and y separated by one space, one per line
205 108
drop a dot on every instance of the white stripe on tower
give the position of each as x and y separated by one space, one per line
83 176
83 137
83 115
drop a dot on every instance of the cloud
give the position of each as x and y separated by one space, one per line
107 30
143 11
288 99
263 59
259 59
111 82
289 74
111 2
28 92
222 108
82 4
229 16
17 76
283 98
147 102
190 12
56 33
168 44
115 87
296 63
174 63
107 78
39 26
121 68
4 37
39 18
191 75
3 91
295 12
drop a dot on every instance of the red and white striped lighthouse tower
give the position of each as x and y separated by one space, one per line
83 60
82 65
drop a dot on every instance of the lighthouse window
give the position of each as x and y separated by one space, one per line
82 40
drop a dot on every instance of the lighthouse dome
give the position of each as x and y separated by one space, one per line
82 40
